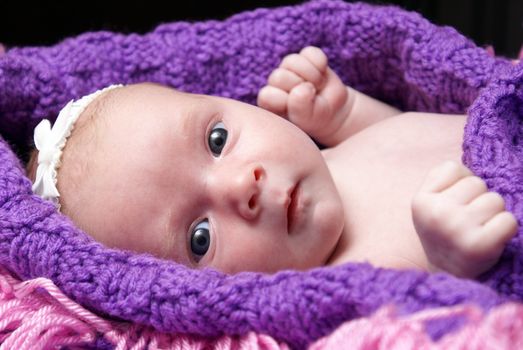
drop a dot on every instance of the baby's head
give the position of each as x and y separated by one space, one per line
202 180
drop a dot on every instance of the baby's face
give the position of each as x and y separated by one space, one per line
208 181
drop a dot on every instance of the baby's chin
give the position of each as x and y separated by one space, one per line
331 224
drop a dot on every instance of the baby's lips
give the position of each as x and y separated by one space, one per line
292 207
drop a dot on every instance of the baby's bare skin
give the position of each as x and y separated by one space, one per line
189 178
408 200
378 171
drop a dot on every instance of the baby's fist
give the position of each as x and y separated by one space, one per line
308 93
462 226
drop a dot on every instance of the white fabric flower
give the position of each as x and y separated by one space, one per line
50 141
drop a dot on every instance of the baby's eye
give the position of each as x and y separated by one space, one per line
200 239
217 138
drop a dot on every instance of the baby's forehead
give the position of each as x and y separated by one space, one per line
155 106
152 109
150 96
148 90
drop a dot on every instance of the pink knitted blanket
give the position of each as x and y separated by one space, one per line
36 315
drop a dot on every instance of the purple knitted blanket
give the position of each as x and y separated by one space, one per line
394 55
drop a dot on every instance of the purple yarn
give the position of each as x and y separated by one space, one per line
391 54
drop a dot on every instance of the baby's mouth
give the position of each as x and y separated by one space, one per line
292 208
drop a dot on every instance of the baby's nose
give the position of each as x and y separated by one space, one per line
244 192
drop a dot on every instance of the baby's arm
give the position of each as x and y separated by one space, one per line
306 91
462 226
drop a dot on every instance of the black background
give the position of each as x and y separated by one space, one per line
23 23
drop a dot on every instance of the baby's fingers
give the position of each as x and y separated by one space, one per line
443 176
284 79
316 56
504 225
485 207
305 108
301 103
304 68
497 232
466 190
273 99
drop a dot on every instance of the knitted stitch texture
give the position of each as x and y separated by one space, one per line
36 315
391 54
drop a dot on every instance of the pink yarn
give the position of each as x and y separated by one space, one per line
490 50
501 329
35 314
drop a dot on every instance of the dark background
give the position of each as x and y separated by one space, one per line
22 23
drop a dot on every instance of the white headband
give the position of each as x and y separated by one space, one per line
50 142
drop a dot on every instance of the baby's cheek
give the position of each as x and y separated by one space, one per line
257 253
328 221
328 211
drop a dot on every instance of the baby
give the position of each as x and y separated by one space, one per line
212 182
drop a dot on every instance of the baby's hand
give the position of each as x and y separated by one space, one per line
463 227
308 93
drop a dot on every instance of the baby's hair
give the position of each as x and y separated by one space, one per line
31 165
78 153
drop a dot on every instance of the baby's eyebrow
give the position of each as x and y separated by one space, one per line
193 119
188 121
175 236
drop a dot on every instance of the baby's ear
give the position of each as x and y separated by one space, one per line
31 165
